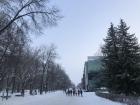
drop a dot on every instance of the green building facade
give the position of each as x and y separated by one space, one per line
92 68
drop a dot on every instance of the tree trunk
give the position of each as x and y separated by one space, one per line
13 85
22 90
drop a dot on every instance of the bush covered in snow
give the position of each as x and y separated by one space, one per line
129 100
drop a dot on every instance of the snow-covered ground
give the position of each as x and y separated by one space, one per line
58 98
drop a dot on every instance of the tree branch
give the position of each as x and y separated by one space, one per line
16 15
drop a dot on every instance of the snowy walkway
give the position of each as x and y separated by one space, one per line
58 98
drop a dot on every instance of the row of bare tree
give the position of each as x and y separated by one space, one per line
32 69
22 67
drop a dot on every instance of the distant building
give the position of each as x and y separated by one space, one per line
91 67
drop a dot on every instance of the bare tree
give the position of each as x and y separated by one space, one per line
11 41
27 13
48 56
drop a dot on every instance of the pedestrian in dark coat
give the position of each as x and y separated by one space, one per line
81 92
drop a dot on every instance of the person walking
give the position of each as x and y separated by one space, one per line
78 92
81 92
73 92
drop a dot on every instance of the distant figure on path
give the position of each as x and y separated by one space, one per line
67 92
81 92
73 92
78 92
70 92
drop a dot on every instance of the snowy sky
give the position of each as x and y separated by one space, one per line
80 33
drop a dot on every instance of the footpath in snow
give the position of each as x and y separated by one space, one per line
59 98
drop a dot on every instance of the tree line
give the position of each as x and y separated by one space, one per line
21 66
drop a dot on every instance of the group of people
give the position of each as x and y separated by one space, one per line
74 92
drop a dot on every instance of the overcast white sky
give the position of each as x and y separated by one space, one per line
80 33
